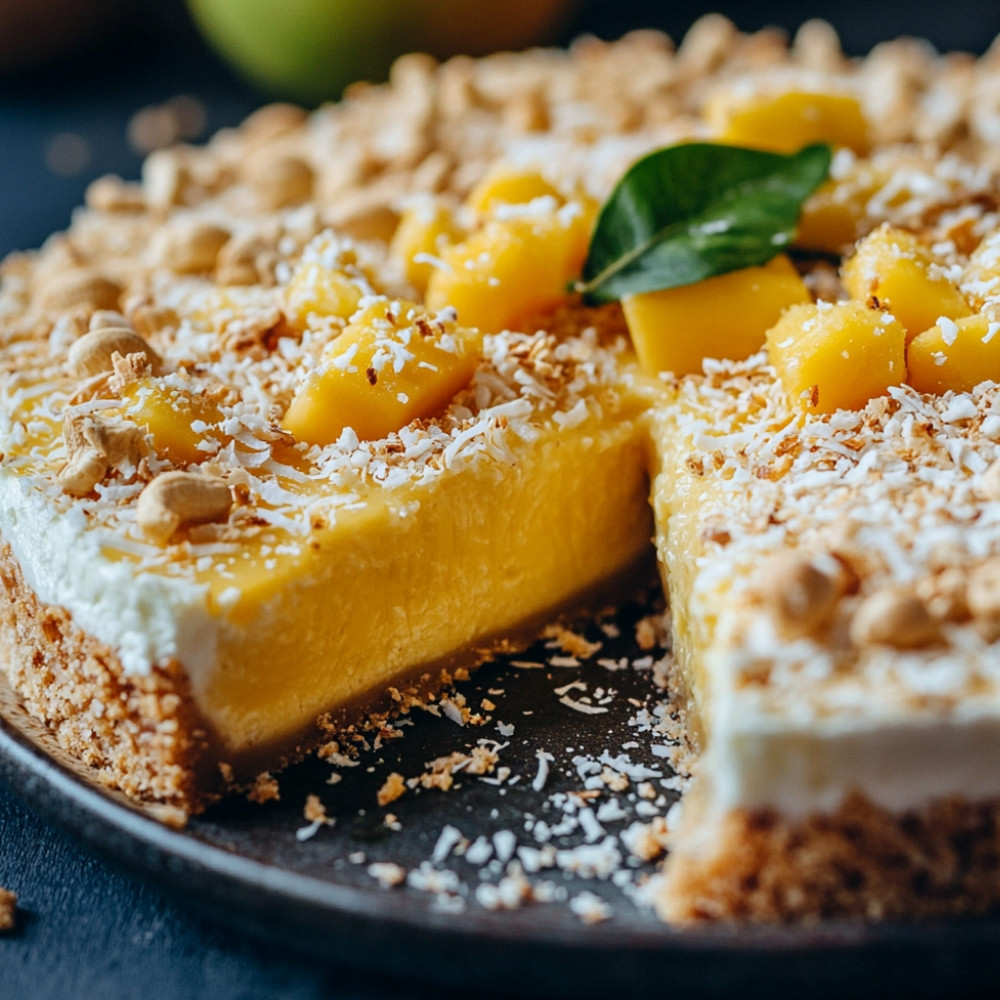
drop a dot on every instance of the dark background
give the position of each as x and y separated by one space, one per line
157 55
85 929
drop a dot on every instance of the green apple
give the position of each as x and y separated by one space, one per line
311 49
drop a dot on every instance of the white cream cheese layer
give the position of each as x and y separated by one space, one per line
145 617
799 751
798 761
904 765
901 727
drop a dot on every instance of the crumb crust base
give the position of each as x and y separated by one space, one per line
139 734
860 861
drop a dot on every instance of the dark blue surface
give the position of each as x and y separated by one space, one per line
94 97
87 931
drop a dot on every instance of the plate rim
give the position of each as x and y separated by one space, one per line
122 831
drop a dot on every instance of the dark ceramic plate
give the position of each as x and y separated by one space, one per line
245 864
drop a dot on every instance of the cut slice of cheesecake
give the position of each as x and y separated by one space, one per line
251 481
825 574
329 576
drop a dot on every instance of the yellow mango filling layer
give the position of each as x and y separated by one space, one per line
407 580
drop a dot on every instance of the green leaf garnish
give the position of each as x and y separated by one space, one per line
690 212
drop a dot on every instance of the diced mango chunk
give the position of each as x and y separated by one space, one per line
395 362
784 123
506 186
512 267
864 189
424 230
893 270
183 425
835 216
328 282
829 221
830 357
722 317
322 291
955 355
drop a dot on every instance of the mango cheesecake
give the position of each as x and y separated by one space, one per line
318 413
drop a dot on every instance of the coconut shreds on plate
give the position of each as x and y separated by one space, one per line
603 817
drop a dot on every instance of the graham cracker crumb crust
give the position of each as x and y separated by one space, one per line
860 860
